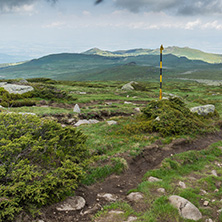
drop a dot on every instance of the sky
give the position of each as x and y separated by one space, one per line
34 28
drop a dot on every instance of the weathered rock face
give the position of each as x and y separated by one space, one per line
203 110
186 209
129 86
16 89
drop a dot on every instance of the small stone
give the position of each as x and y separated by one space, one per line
161 190
203 191
116 212
135 196
111 122
76 109
216 190
72 203
206 203
127 102
154 179
213 200
82 93
209 220
108 197
158 118
137 109
182 185
130 219
214 172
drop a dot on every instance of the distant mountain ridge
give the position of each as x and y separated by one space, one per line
192 54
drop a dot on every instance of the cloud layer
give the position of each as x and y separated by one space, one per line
10 5
181 7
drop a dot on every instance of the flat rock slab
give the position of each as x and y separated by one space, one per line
17 89
72 203
186 209
203 110
85 121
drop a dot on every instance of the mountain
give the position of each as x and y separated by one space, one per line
83 67
187 52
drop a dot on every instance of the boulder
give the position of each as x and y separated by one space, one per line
203 110
72 203
85 121
186 209
17 89
128 86
108 197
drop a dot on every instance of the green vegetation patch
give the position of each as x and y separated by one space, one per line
170 117
40 162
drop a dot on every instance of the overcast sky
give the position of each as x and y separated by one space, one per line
39 27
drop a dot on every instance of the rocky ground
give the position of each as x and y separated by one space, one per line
116 187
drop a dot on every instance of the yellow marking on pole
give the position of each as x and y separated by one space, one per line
161 48
160 93
161 65
160 78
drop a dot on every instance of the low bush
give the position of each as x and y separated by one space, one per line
170 117
40 162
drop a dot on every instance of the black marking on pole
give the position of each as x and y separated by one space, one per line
161 66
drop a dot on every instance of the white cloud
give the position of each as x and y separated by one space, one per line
87 13
56 24
193 24
212 25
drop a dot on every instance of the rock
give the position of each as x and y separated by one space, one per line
127 102
203 191
109 103
208 220
182 185
161 190
85 121
137 109
128 86
186 209
206 203
158 118
76 109
203 110
154 179
72 203
108 197
82 93
17 89
214 172
111 122
130 219
116 212
93 209
135 196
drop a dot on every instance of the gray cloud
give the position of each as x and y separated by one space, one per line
179 7
7 5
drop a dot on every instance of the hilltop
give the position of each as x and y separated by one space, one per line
192 54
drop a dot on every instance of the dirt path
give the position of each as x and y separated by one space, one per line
150 158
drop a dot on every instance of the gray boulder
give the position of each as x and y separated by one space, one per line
135 196
76 109
17 89
85 121
203 110
128 86
186 209
72 203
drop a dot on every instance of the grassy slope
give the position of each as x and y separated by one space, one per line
94 67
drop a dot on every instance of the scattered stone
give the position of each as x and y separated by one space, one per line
127 96
203 110
109 103
72 203
128 86
82 93
76 109
186 209
130 219
158 118
209 220
216 190
206 203
127 102
108 197
40 220
111 122
161 190
135 196
214 172
203 191
2 107
154 179
182 185
17 89
93 209
85 121
116 212
137 109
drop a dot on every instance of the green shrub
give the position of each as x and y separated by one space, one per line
169 117
41 162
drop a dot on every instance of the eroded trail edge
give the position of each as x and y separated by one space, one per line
150 158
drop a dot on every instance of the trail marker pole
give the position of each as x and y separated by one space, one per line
161 66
